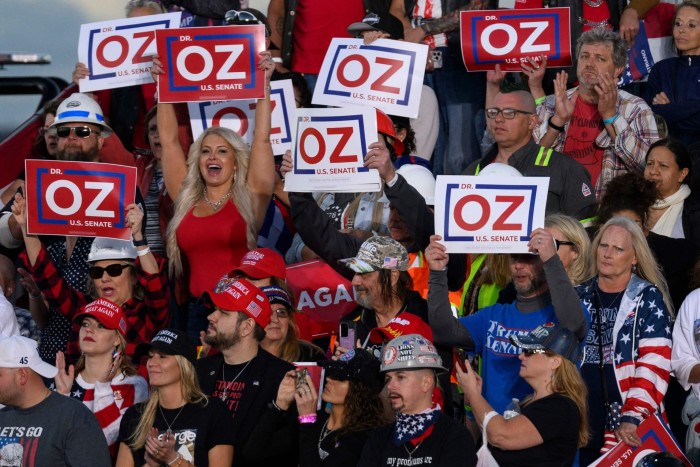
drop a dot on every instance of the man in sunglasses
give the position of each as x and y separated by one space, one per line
544 294
510 120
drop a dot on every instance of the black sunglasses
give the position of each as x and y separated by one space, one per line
558 243
531 352
80 131
113 270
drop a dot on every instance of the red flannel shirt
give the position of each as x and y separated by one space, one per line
144 317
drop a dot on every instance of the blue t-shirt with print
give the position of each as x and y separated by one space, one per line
490 328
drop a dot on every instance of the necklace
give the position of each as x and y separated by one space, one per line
325 431
217 204
224 393
410 453
169 431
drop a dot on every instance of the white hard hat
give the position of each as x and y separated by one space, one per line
496 169
421 179
111 248
80 108
410 352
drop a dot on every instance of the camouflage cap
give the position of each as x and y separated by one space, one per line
378 253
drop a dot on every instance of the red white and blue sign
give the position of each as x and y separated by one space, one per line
119 53
488 215
78 198
211 64
509 37
386 74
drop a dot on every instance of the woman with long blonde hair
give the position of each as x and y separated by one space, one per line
221 191
552 423
178 425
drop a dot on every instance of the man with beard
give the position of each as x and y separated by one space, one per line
382 289
607 130
544 294
244 375
422 433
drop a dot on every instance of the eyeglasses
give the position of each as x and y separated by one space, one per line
80 131
531 352
43 130
113 270
558 243
508 114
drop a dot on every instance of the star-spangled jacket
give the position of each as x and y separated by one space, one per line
642 339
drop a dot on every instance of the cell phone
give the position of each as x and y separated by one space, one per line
436 56
300 377
347 335
461 357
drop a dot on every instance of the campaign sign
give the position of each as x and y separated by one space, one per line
509 37
386 74
330 148
239 116
489 214
655 437
118 53
78 198
211 64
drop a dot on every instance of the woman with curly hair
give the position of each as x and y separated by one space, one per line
351 389
221 191
178 425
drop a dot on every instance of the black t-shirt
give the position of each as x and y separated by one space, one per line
556 418
449 445
343 451
197 429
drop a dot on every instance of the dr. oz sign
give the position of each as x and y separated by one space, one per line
509 37
489 215
78 198
118 53
386 74
211 64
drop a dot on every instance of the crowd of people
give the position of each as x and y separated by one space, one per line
183 346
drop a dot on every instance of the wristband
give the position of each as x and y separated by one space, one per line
630 419
609 121
560 129
142 242
143 252
177 458
309 418
540 100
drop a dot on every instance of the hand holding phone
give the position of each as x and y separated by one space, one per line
347 335
300 377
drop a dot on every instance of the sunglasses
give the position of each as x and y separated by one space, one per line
531 352
113 270
80 131
508 114
44 130
558 243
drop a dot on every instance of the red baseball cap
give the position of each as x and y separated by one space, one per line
241 295
261 263
106 312
403 324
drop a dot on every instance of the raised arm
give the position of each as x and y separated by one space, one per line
447 330
261 168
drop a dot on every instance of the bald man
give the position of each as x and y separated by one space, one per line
510 121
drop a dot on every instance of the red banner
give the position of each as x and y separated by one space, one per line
509 37
655 436
210 64
322 295
78 198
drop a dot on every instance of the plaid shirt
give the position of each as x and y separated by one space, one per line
636 131
144 317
